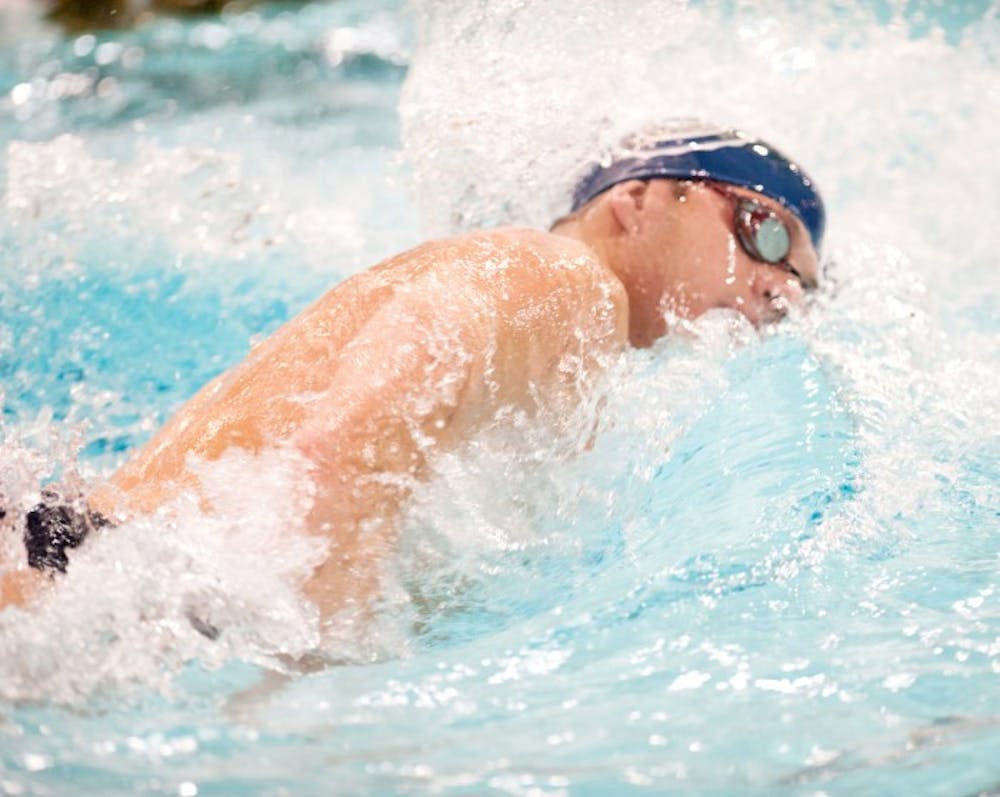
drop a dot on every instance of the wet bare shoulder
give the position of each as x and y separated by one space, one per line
535 248
515 258
553 271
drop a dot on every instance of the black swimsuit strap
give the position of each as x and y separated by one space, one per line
55 525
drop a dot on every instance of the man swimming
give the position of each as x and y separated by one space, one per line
422 351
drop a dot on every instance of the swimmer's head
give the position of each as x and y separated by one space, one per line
693 217
688 149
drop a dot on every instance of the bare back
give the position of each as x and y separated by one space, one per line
391 365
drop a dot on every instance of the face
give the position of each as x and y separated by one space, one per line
685 234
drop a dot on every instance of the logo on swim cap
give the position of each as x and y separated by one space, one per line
689 149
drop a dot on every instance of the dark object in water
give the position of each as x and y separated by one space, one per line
203 627
190 6
55 525
79 15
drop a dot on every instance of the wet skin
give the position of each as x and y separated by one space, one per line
674 248
418 353
390 366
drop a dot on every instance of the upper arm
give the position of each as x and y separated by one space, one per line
483 326
562 315
400 387
492 321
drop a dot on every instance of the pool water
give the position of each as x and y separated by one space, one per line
774 571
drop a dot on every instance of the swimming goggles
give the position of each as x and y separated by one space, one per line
760 231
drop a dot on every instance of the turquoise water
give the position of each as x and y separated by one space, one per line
774 572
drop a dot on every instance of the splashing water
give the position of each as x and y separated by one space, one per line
771 565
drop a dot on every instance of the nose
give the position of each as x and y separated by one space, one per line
777 289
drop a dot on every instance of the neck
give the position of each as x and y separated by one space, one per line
612 247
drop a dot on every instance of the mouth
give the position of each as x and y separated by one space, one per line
773 313
765 313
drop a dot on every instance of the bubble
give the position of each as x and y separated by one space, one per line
84 45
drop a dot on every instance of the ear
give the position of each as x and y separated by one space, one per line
626 200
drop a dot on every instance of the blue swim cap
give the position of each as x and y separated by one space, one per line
691 150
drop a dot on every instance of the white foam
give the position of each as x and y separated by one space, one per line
213 206
130 609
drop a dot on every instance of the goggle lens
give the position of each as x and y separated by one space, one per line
762 233
772 240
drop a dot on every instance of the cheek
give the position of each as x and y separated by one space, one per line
720 267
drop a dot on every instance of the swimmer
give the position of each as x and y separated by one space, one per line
418 353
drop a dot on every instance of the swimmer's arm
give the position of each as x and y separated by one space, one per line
156 473
20 587
424 374
405 387
19 584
